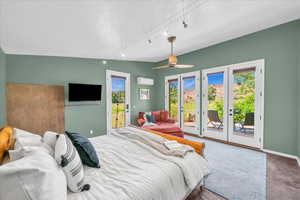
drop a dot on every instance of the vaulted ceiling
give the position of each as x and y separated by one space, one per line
105 29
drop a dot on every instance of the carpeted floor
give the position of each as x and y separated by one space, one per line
236 173
283 178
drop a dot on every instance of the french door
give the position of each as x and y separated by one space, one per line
118 99
182 100
232 103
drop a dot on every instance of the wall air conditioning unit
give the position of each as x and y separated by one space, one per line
145 81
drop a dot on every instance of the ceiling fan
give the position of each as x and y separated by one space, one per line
172 58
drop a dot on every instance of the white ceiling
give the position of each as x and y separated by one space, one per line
106 28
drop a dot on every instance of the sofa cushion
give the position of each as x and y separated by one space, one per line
156 115
165 127
141 115
141 121
164 115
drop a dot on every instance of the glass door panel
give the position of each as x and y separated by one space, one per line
190 102
118 102
118 99
232 103
243 92
245 104
215 103
173 99
182 100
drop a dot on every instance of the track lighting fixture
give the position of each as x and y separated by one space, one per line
185 25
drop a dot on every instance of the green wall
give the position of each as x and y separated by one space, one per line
279 48
298 91
61 71
2 88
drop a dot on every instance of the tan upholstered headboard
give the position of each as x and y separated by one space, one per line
35 108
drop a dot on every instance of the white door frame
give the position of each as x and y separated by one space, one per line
167 79
179 77
210 133
196 129
109 74
257 140
259 102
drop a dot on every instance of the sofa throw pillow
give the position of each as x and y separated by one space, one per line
67 157
156 115
7 142
164 115
149 118
152 118
85 149
141 121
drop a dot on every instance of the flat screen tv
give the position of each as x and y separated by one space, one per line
84 92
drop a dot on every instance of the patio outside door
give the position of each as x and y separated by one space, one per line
233 103
118 99
182 100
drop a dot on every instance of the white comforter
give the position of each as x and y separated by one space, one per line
131 170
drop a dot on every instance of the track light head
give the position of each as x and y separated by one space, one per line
185 25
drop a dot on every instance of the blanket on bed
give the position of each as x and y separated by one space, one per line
154 141
191 171
131 170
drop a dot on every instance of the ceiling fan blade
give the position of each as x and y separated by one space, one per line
183 66
161 67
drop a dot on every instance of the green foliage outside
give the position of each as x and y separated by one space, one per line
118 109
173 99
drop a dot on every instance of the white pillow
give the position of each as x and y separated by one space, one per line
36 177
27 142
68 158
24 138
50 138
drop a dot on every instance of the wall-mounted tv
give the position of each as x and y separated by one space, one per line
84 92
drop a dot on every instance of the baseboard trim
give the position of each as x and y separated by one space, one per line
283 155
224 142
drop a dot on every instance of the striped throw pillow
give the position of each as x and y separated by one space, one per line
68 158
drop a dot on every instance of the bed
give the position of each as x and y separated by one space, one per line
132 170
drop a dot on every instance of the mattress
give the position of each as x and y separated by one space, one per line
133 171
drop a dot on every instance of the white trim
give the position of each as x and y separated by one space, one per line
179 78
259 93
260 78
196 129
214 134
109 73
283 155
167 78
